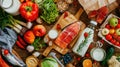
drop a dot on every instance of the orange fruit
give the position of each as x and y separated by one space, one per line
87 63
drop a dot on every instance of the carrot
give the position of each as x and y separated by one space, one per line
20 45
21 41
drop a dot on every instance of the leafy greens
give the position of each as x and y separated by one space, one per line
50 11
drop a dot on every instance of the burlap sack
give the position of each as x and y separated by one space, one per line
90 5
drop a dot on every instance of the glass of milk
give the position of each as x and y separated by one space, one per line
10 6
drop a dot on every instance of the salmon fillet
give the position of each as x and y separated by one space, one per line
67 35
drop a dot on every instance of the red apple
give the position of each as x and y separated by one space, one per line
39 30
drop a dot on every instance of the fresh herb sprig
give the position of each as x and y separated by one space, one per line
38 43
84 42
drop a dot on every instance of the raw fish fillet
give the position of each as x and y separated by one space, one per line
67 35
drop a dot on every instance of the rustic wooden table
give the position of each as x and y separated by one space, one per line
72 9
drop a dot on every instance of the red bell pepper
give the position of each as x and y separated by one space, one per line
3 63
29 11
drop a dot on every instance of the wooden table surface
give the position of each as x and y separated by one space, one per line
23 53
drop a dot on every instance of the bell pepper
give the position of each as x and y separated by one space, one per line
29 11
3 63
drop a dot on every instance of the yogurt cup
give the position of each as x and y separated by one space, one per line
98 54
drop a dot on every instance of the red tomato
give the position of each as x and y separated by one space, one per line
118 21
108 37
113 41
107 26
78 58
6 52
118 26
87 55
86 34
115 35
117 43
118 38
102 41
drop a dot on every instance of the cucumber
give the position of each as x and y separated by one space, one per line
109 53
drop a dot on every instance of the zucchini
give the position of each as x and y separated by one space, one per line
109 53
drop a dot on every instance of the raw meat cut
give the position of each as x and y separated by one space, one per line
67 35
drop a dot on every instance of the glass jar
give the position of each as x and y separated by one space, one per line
10 6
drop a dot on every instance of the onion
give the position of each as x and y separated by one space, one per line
36 54
30 48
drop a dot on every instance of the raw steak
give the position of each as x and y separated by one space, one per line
67 35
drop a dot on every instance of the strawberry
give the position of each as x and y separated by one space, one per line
65 14
58 27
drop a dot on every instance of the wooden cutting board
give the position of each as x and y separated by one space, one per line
65 21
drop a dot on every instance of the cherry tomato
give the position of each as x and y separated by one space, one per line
118 38
102 41
118 21
86 34
6 52
108 37
107 26
118 26
91 46
87 55
113 41
78 58
117 43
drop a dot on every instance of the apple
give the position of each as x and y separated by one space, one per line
111 31
113 22
39 30
105 31
118 31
